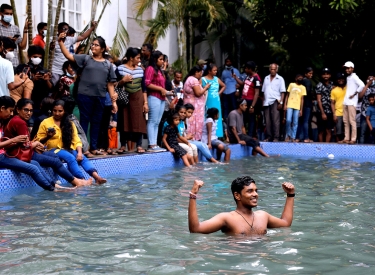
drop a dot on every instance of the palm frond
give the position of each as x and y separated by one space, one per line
158 26
141 6
121 40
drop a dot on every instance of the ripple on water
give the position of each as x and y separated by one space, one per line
138 224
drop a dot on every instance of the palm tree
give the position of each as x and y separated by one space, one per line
178 13
30 18
49 23
51 53
15 18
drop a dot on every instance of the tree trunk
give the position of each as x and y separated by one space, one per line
15 18
94 5
183 50
48 39
191 41
51 54
30 18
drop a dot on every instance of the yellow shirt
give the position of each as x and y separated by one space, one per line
296 92
338 95
56 140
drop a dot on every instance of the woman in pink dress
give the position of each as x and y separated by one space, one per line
195 95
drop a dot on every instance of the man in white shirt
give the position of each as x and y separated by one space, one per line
7 74
353 87
274 92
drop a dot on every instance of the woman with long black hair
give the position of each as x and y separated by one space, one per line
60 136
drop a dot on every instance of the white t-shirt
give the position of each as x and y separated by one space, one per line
353 84
59 57
178 88
272 89
213 131
6 76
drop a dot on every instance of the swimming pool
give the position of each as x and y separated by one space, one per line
138 224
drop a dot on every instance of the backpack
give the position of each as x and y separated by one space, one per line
79 73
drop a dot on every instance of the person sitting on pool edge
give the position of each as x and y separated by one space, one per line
243 220
237 131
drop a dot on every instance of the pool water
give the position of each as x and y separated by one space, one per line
138 224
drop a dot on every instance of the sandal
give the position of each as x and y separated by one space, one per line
121 151
307 141
111 152
98 153
89 155
140 150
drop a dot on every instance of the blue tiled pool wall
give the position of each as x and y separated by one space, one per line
136 164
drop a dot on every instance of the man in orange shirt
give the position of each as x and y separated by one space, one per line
38 40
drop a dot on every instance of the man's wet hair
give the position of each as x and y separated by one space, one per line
239 183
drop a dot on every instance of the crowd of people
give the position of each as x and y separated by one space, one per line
75 111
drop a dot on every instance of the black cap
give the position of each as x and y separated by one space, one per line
326 70
340 76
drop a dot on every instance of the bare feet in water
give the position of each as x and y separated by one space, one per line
100 180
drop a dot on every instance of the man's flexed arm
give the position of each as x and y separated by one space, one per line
212 225
287 215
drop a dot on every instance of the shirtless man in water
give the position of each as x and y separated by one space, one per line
243 220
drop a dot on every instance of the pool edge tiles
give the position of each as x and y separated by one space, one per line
134 164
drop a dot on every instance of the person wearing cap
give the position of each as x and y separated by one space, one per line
325 116
229 94
237 131
368 90
337 101
274 93
251 87
201 63
354 85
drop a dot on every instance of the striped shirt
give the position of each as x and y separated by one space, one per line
10 31
137 73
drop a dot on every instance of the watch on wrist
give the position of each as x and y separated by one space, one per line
290 195
251 107
280 102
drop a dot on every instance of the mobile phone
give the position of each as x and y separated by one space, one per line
16 36
25 70
50 129
232 71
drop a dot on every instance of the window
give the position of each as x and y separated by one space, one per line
71 13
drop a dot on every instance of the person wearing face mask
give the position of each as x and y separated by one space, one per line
12 31
229 94
293 107
7 81
368 90
40 77
38 40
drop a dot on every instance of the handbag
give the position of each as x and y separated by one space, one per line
23 152
123 96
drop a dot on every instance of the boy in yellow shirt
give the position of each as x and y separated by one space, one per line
293 107
337 101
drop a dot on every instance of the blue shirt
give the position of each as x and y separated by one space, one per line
229 81
371 113
180 127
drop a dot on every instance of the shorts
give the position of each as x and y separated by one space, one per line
340 125
216 142
191 151
327 124
249 141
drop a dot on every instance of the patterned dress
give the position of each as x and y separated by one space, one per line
213 101
196 121
172 134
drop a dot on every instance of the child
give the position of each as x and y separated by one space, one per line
210 138
170 141
293 107
192 149
370 116
202 146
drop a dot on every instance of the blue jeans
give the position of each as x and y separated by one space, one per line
203 148
51 160
155 113
229 104
91 111
303 125
32 169
70 159
292 116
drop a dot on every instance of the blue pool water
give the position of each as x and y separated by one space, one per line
138 224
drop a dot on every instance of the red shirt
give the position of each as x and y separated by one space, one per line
2 151
251 83
39 41
16 127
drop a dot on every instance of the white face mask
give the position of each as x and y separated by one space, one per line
9 55
7 18
36 60
45 33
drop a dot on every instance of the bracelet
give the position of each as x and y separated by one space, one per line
290 195
193 196
145 102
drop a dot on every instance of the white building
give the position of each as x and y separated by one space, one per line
77 13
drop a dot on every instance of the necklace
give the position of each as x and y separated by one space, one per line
251 225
